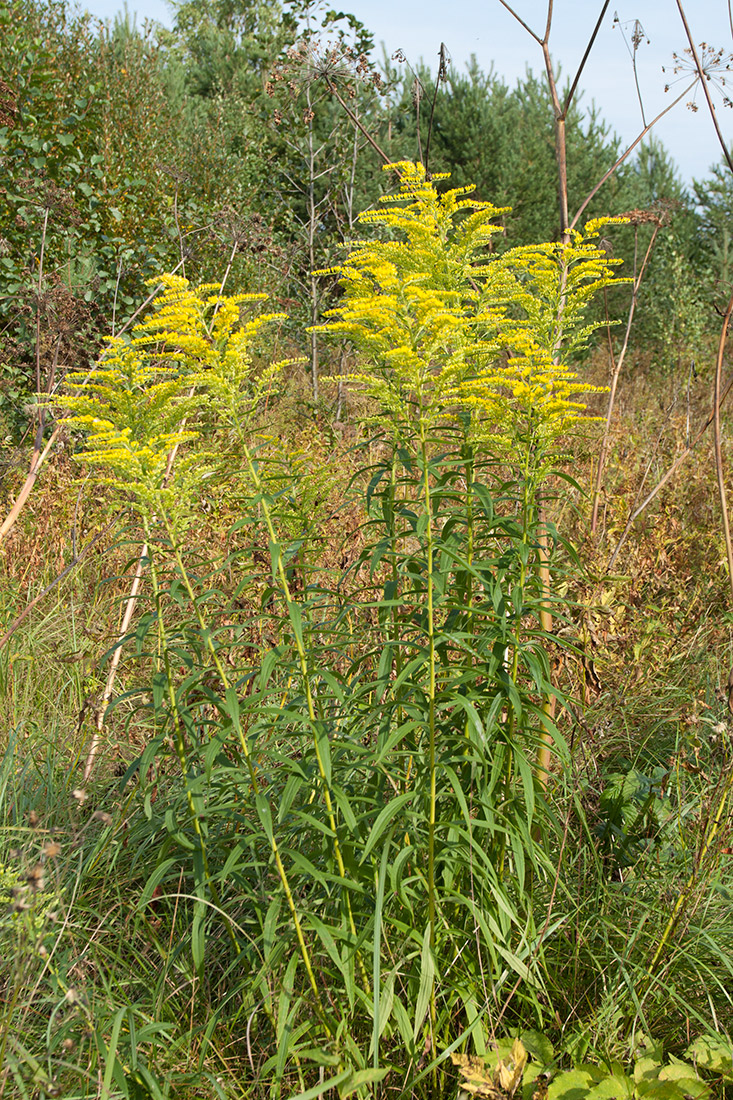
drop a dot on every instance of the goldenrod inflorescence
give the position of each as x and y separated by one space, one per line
446 323
142 399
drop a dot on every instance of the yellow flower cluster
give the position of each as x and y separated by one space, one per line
446 323
410 304
145 394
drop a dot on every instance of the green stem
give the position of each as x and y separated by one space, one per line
178 738
431 683
431 710
395 568
527 497
206 634
293 611
470 532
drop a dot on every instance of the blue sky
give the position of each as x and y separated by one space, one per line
484 27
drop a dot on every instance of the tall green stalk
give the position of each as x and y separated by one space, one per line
432 795
295 617
231 700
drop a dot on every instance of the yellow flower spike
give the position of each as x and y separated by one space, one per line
435 313
191 350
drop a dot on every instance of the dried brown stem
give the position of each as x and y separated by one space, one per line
126 619
334 92
630 150
112 674
560 110
39 457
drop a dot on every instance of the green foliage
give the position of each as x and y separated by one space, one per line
527 1067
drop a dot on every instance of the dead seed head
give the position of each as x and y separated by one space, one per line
80 795
35 878
101 815
51 849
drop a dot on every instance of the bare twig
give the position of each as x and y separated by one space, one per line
521 22
112 674
440 79
588 48
38 306
560 110
39 457
334 92
629 151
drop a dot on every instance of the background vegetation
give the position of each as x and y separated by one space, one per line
366 704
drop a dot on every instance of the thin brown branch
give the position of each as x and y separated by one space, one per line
704 83
125 626
334 92
112 674
519 20
586 55
37 461
560 141
548 22
615 374
39 291
630 150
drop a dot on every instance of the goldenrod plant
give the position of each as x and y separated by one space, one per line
463 340
362 840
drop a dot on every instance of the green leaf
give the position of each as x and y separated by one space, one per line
324 1086
539 1046
427 979
198 936
685 1078
390 811
110 1053
360 1078
573 1084
713 1053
